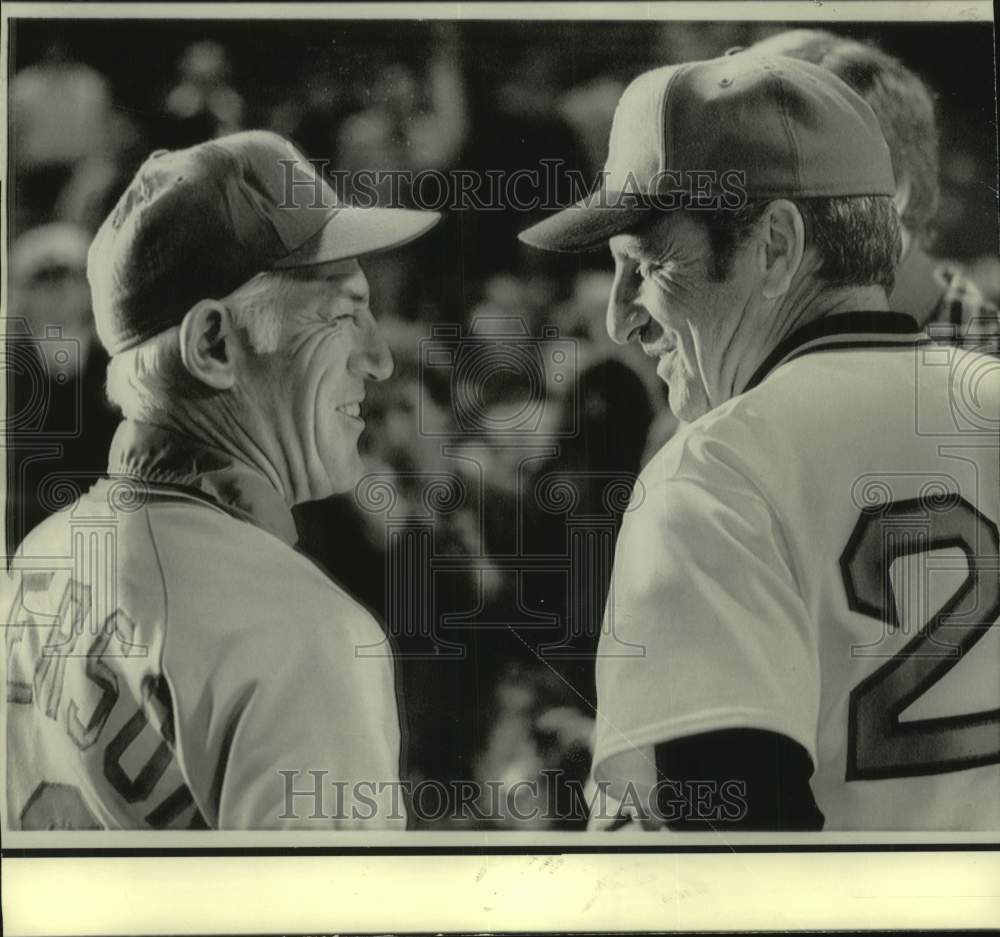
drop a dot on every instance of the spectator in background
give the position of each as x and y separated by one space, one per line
985 273
524 133
535 752
528 720
61 111
614 413
611 413
58 411
693 41
581 317
526 300
935 294
312 110
203 104
589 109
410 126
98 180
410 420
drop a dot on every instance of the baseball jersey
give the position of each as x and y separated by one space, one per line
818 557
172 665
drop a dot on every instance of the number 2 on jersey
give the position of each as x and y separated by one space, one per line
879 745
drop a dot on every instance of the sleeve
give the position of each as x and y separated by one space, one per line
705 627
291 729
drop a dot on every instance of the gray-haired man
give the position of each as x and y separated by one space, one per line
173 661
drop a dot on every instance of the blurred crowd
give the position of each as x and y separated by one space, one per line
489 559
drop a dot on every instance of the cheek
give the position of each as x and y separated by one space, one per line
660 305
675 299
315 366
304 400
335 436
321 407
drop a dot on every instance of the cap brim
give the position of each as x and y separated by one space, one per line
354 232
587 225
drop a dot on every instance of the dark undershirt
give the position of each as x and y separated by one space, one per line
775 770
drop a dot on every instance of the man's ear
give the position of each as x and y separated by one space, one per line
209 345
784 234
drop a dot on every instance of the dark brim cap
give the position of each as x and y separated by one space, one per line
198 223
716 133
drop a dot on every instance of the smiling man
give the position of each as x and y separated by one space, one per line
808 574
173 661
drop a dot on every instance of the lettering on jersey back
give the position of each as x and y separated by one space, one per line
75 637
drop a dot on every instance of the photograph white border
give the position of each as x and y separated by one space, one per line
898 880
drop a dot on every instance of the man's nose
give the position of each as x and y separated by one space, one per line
625 315
372 358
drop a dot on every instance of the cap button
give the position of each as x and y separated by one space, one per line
725 82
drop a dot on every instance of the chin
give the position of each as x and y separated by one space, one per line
685 405
344 477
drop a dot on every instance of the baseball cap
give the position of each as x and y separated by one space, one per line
790 128
197 223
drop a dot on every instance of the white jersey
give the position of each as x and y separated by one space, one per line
818 557
170 665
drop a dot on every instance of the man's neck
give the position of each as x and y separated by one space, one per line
813 302
224 432
809 303
161 455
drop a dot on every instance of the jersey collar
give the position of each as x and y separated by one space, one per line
844 330
162 457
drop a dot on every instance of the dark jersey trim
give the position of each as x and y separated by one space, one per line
843 346
852 328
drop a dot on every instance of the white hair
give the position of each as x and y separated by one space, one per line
148 381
